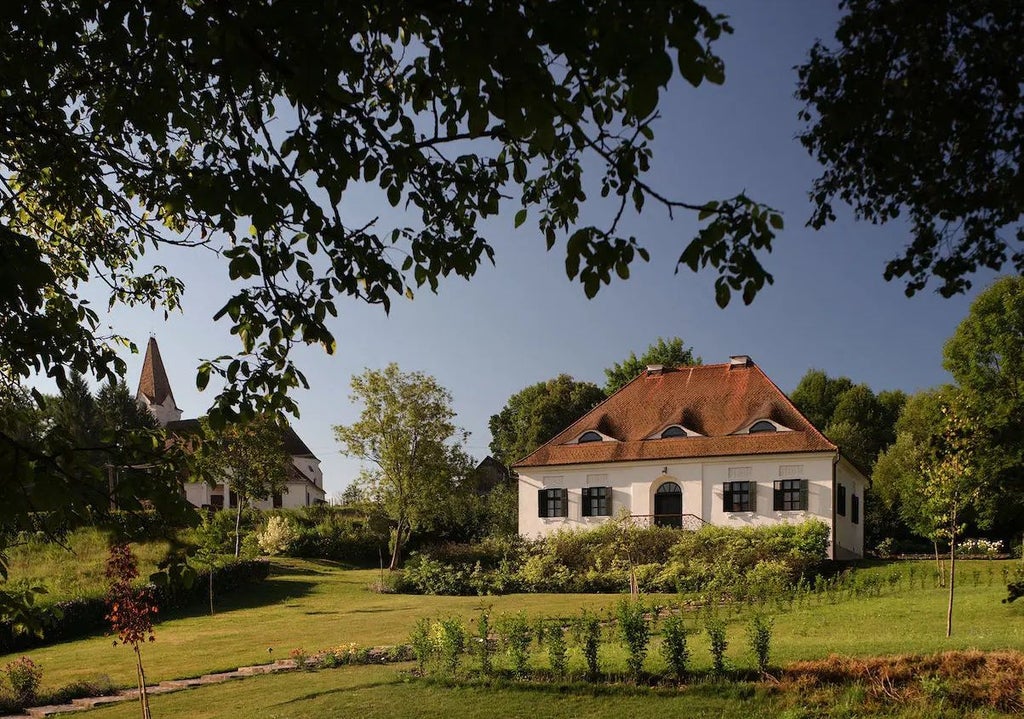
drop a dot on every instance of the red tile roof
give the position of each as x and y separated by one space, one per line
153 382
715 401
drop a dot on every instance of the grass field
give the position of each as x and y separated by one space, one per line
315 605
75 569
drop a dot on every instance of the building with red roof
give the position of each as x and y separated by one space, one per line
685 446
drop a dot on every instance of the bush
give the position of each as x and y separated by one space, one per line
552 633
451 642
635 631
516 636
24 677
759 561
717 642
759 635
276 537
673 645
422 646
587 631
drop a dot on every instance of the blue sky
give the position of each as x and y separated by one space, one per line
523 321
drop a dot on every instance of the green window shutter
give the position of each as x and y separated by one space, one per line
585 506
542 503
608 501
804 495
565 502
777 497
752 488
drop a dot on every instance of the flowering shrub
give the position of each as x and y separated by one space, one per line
24 676
980 548
277 536
300 656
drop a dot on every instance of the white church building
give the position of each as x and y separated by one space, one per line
686 446
305 485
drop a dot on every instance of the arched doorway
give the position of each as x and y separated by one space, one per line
668 505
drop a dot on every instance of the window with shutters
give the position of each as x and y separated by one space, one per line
790 495
855 509
841 500
739 497
597 502
553 503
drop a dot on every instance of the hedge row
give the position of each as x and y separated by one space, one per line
612 557
87 615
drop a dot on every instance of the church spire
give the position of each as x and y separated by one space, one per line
155 389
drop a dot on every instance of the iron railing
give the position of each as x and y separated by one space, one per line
689 522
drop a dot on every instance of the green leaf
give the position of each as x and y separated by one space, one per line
520 217
722 293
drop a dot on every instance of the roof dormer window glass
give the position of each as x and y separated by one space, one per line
673 431
762 426
590 436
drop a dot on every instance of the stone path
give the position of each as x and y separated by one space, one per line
173 685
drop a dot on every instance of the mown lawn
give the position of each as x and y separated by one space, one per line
315 605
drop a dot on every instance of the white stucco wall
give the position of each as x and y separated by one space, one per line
635 483
296 494
850 536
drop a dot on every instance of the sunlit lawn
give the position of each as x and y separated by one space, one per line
316 605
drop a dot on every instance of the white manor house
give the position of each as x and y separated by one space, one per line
680 447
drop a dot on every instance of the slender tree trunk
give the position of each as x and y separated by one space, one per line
238 527
211 587
939 569
143 694
952 577
396 553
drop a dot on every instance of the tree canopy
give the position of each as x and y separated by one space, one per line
239 129
535 414
414 461
986 358
249 458
670 353
915 110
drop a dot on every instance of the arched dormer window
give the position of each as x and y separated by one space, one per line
762 426
590 436
673 431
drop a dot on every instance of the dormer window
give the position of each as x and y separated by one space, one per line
762 426
673 431
590 436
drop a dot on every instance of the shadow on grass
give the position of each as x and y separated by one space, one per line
338 690
273 590
742 686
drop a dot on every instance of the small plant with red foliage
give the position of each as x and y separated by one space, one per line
130 610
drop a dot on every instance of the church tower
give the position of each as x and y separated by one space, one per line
154 389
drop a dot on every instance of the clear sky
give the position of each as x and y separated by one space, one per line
522 321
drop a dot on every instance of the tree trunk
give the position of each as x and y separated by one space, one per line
940 573
952 580
211 587
143 695
238 527
396 553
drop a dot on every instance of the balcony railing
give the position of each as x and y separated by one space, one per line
689 522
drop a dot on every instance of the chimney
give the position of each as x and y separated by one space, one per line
654 370
738 361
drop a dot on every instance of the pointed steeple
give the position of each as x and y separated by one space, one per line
155 389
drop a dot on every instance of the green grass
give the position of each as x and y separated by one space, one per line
78 572
315 605
387 692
